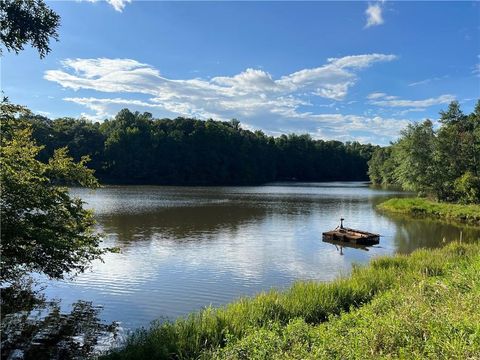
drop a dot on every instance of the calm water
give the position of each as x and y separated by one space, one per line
185 248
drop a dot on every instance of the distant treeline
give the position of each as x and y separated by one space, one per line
443 162
135 148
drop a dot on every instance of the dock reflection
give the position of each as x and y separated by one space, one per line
340 245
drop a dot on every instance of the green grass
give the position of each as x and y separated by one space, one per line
425 305
424 207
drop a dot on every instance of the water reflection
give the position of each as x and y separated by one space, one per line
185 248
179 223
340 245
411 234
34 328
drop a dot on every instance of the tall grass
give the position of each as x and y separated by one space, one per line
435 315
290 320
424 207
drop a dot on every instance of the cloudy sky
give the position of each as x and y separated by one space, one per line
336 70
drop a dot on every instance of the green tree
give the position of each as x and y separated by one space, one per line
134 147
467 188
414 156
475 123
381 166
454 152
43 229
444 163
27 21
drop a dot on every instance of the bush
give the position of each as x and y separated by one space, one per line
467 188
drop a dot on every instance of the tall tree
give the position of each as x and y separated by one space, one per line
453 151
381 166
43 229
444 163
413 155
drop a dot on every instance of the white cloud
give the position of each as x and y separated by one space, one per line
376 95
254 96
374 14
251 92
43 113
352 127
118 5
427 81
101 106
389 101
360 61
476 68
406 111
421 82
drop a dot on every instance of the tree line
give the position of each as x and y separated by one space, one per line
441 161
135 148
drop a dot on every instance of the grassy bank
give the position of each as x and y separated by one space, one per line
424 207
424 305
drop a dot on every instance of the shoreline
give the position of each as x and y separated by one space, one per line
465 214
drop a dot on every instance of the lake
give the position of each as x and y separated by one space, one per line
184 248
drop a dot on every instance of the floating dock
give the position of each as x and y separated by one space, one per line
351 236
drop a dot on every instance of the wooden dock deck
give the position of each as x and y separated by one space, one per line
351 236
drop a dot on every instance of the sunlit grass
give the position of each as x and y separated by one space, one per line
433 313
397 306
424 207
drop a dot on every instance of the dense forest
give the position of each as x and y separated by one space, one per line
135 148
441 161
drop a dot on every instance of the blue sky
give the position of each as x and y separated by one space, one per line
336 70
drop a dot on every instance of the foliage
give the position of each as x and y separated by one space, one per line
43 229
27 21
444 163
413 156
467 187
396 306
136 148
418 206
380 166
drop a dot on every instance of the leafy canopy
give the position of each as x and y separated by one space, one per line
43 229
27 21
136 148
443 162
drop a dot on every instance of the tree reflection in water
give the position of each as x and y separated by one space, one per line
33 328
413 232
